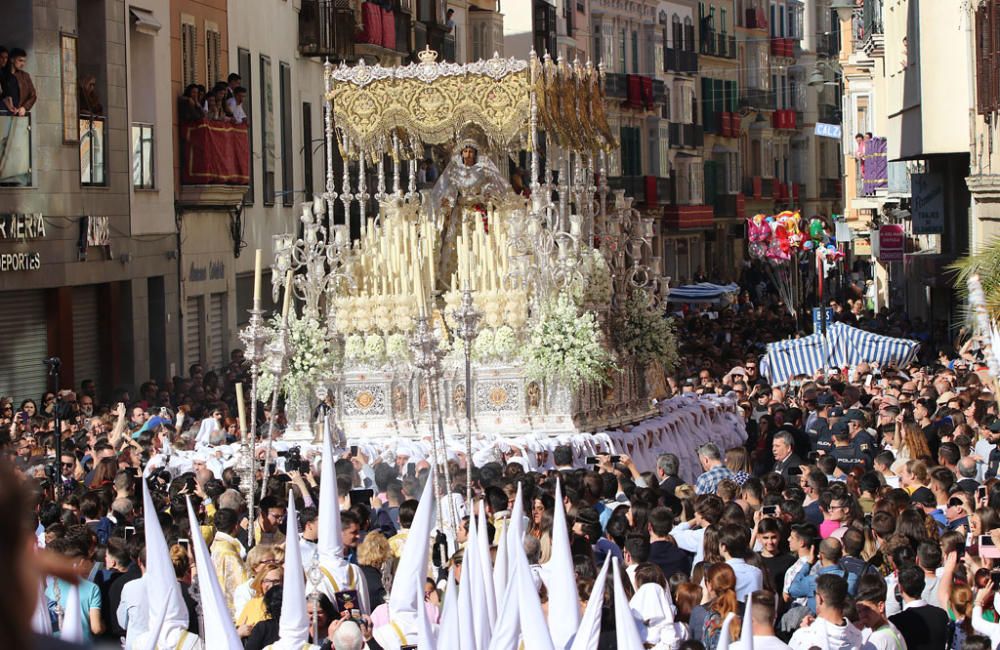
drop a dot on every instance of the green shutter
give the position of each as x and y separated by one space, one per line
733 92
708 105
710 182
719 96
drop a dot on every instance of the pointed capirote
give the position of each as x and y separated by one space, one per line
472 579
466 619
448 633
725 638
163 592
426 639
218 631
515 527
560 580
41 621
507 631
534 628
500 571
72 623
486 566
589 633
293 624
626 633
411 572
330 542
746 631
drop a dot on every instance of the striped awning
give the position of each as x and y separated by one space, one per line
702 292
846 346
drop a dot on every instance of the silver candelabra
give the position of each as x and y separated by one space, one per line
278 351
467 317
254 338
427 356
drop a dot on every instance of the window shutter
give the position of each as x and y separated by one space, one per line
189 53
983 33
994 25
707 106
710 182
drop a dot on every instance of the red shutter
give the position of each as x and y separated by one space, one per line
993 43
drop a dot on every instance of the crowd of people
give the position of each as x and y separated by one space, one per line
224 103
862 511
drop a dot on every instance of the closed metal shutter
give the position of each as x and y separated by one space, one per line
25 345
216 330
86 337
193 318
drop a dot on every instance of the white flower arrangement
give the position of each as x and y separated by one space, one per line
354 347
504 342
313 357
646 335
374 348
397 347
566 345
482 347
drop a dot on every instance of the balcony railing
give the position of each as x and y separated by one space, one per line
686 135
326 29
681 61
755 98
718 44
215 153
872 17
783 47
757 187
15 143
93 150
723 123
829 44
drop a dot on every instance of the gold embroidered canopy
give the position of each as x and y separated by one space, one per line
431 102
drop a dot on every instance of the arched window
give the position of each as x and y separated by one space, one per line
677 42
688 34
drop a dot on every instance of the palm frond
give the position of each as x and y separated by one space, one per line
985 262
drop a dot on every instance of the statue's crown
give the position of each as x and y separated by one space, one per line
427 55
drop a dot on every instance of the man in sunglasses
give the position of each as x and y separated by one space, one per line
67 466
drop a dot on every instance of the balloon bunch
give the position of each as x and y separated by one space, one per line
777 238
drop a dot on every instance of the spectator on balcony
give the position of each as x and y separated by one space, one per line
4 57
189 107
859 153
234 105
449 20
219 91
213 110
233 81
90 103
18 90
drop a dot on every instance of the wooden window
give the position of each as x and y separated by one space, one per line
213 55
189 52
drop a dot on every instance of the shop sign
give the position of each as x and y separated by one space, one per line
890 243
21 228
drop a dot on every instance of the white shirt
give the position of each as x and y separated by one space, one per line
237 111
825 635
690 539
748 578
133 610
308 550
762 643
886 637
892 605
790 576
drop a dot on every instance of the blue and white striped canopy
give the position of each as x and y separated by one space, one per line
846 346
702 292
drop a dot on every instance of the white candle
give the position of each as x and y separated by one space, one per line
288 297
241 409
257 271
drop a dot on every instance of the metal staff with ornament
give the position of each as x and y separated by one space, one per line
279 351
254 338
467 317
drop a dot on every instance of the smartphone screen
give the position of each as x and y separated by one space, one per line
354 451
411 469
361 495
769 511
129 530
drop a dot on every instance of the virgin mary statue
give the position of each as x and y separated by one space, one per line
468 184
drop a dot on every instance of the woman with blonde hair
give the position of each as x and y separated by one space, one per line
254 612
258 557
374 555
706 620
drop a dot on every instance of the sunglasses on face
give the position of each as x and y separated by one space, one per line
956 503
